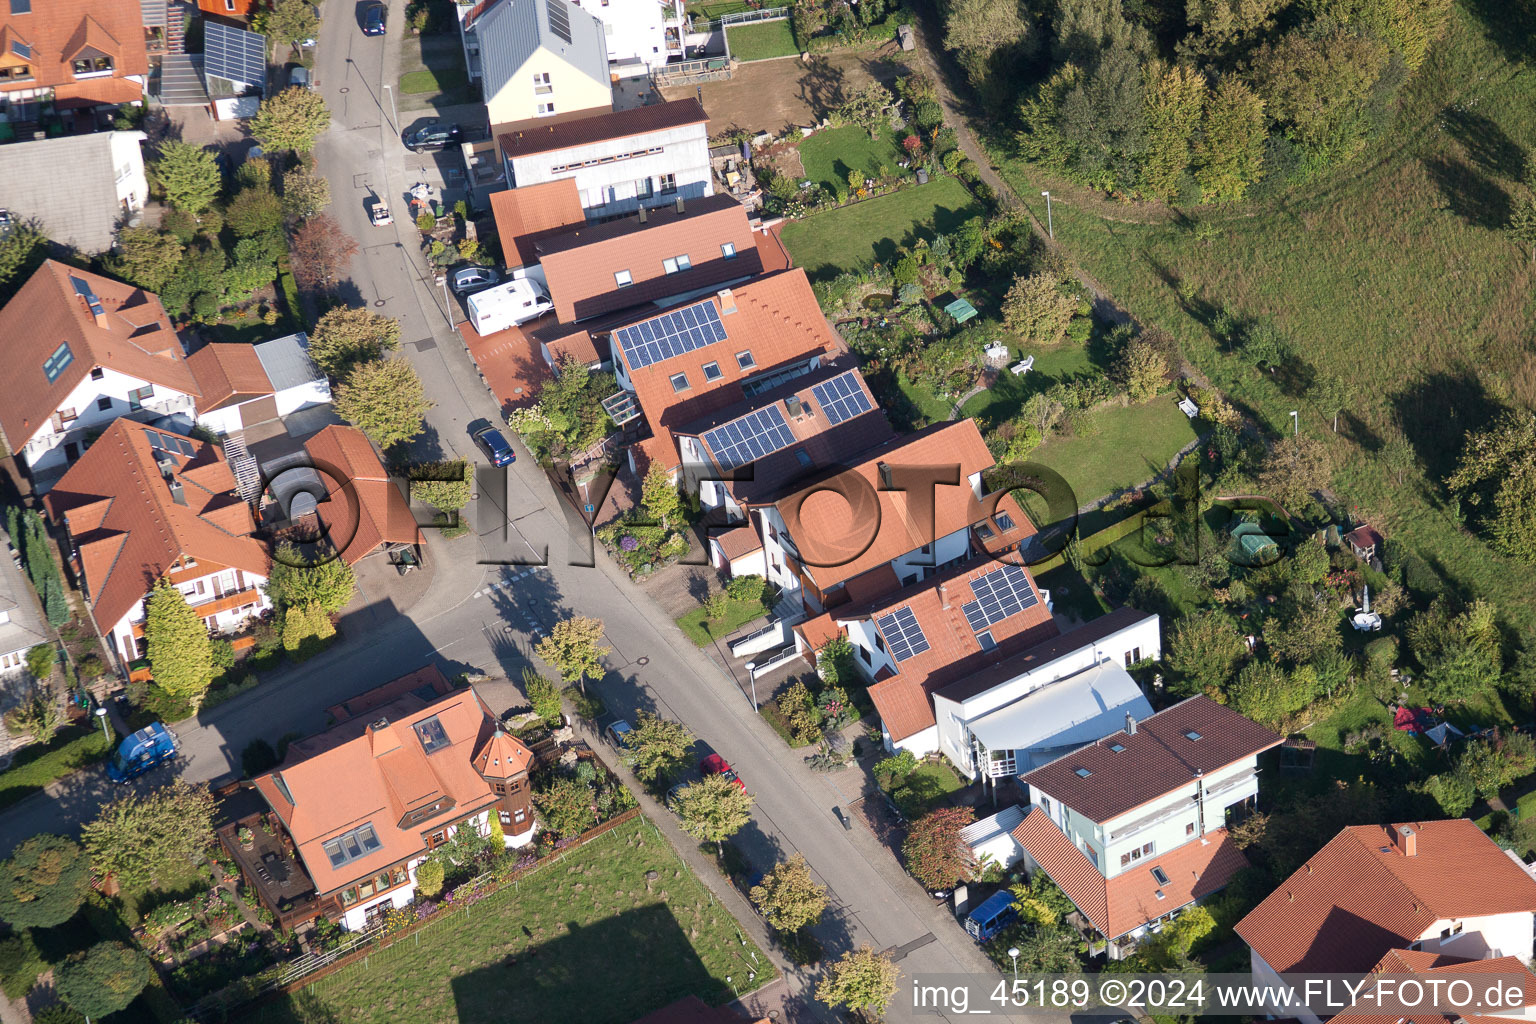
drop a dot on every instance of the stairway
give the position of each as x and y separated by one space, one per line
243 464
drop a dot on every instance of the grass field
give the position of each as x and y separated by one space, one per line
738 614
1121 447
1003 400
761 41
447 80
828 243
828 156
588 938
1392 272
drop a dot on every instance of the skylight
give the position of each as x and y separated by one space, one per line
56 363
358 843
1082 773
431 733
1161 875
1192 735
1117 747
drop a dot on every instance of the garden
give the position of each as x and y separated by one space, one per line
761 41
744 599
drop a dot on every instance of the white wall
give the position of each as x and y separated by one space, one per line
920 743
776 568
867 653
1483 937
45 449
224 622
635 30
1267 978
128 169
915 565
607 189
227 420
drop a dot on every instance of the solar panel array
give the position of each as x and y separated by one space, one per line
83 290
750 437
559 21
902 633
169 443
671 334
841 398
999 594
234 54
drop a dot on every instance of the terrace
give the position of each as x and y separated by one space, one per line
269 864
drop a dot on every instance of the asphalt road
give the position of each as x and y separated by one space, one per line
484 617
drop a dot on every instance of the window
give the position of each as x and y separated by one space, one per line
728 250
864 653
55 364
1147 848
1132 656
802 458
16 74
98 373
432 735
541 84
1125 859
349 896
712 371
138 396
506 817
1081 773
984 531
745 360
91 65
21 49
359 842
1189 829
546 109
679 382
1191 735
1160 875
67 416
644 189
668 184
1093 854
622 278
985 639
21 6
498 787
365 890
1004 521
1117 747
519 816
676 263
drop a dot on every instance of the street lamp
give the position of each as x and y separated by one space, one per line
101 713
1295 423
1013 952
395 119
1050 227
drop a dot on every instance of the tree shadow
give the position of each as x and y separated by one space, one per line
1472 195
1510 26
1486 143
1436 411
823 86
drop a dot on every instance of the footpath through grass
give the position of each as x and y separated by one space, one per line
826 244
761 41
586 938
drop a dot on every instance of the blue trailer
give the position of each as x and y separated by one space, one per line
138 753
992 916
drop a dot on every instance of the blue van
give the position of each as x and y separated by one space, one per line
992 916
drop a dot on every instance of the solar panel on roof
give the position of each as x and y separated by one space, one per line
999 594
559 21
234 54
841 398
670 334
182 444
750 437
902 633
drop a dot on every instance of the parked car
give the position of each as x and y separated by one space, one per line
380 214
141 751
496 447
298 78
618 733
714 764
468 279
373 20
434 137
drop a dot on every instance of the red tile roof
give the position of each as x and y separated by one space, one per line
1360 896
834 537
777 319
97 92
1130 899
58 30
738 542
525 138
1412 962
133 336
129 530
228 8
365 508
1158 759
905 700
1363 536
579 265
374 769
228 373
526 215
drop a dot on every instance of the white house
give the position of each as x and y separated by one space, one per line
144 505
78 187
535 58
243 385
1058 695
641 34
1430 887
22 625
621 160
1133 827
83 350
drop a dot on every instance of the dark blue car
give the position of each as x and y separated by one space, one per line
497 448
373 20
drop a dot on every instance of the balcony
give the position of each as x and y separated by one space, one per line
209 605
273 869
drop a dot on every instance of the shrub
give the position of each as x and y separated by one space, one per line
429 877
747 589
800 713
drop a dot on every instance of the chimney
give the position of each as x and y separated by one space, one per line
100 316
178 494
794 405
885 475
1407 840
679 206
727 301
944 596
1130 724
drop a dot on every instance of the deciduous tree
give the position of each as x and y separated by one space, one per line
1496 477
932 848
348 335
292 22
1036 310
1304 627
328 581
713 809
788 897
574 648
1204 651
660 497
44 882
1318 85
385 400
657 747
304 193
253 211
145 257
1295 467
863 980
1229 155
1331 394
446 486
1175 104
22 250
866 108
566 807
544 695
138 836
102 979
1142 370
292 119
38 713
180 650
321 251
189 175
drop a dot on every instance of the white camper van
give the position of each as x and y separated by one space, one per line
507 305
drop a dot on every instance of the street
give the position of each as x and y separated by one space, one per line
484 617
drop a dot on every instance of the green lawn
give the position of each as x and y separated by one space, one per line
704 632
930 785
1003 400
828 156
826 244
587 938
761 41
447 80
1119 447
1393 271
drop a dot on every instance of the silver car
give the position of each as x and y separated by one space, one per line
471 279
298 78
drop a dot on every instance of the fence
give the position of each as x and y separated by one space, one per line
739 18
